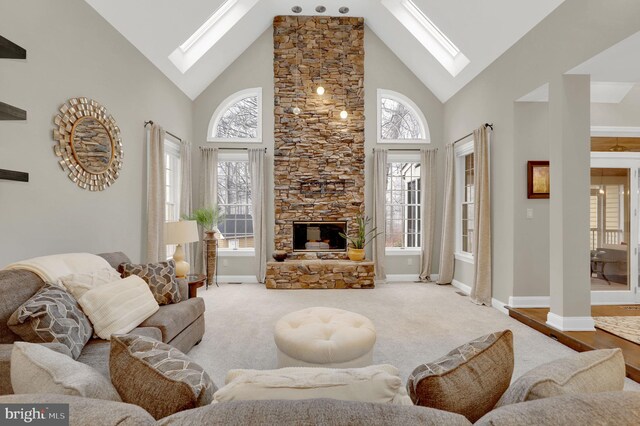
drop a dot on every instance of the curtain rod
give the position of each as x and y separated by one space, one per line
471 134
169 133
230 149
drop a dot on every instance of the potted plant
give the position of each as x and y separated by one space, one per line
208 218
358 243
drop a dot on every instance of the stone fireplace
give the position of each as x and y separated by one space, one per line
318 157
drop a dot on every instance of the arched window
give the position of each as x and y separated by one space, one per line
400 120
238 118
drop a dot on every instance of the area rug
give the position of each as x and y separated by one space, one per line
627 327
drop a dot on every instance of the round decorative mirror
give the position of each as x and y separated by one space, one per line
89 144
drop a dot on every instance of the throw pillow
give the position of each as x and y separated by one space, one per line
469 380
52 315
79 284
118 307
375 383
157 376
161 278
586 372
38 369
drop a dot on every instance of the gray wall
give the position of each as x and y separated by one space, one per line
73 52
254 68
531 244
550 49
624 114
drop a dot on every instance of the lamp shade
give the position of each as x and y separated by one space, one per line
185 231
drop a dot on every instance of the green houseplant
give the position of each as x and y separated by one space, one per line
358 243
207 217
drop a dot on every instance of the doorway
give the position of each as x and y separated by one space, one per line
614 227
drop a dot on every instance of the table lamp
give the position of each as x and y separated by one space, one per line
179 233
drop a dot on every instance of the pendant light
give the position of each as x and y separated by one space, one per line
296 109
344 114
618 148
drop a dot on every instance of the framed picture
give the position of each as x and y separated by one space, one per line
537 179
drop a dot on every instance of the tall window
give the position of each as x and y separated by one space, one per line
234 199
172 183
400 120
238 118
402 209
465 196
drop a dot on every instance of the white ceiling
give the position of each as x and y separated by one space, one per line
619 63
482 29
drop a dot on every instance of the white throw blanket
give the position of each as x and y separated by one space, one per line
52 268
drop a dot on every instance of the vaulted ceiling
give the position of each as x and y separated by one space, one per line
481 29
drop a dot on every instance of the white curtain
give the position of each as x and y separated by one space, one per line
258 185
208 192
447 261
427 209
186 203
481 289
156 193
380 172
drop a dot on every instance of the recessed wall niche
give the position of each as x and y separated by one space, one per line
318 149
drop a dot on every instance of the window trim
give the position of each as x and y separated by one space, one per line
399 97
402 157
224 106
462 149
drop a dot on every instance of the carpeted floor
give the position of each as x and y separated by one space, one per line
415 323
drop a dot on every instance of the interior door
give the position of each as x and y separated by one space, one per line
614 228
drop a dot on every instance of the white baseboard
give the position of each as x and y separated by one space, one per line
461 286
570 323
237 279
402 278
495 303
529 301
406 278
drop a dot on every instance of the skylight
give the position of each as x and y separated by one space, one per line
219 13
428 34
204 38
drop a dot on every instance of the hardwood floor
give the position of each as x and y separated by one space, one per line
587 340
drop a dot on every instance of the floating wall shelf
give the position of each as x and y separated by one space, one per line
10 50
9 112
13 175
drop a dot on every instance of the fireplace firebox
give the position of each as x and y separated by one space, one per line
319 236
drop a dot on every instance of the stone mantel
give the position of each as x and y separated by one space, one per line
320 274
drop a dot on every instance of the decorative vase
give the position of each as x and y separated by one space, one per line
357 255
210 255
279 255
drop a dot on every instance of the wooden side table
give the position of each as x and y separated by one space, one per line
195 281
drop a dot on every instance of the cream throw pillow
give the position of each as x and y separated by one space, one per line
79 284
118 307
376 383
38 369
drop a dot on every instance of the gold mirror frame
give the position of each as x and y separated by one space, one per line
72 113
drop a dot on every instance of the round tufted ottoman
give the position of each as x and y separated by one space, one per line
324 337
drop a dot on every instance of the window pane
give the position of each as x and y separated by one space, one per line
240 120
402 221
234 199
397 121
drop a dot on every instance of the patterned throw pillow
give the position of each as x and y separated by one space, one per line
161 278
157 376
52 315
469 380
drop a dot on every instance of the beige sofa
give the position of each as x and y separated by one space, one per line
607 408
180 324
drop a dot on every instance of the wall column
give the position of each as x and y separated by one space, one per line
569 156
